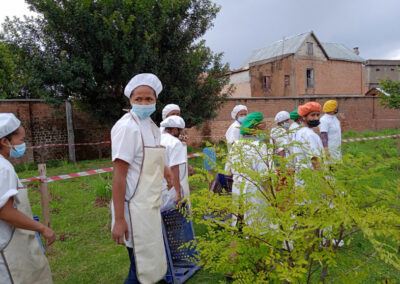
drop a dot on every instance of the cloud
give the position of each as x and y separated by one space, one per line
243 26
13 8
394 54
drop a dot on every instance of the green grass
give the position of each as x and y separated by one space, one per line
84 251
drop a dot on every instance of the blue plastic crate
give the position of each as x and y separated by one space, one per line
177 231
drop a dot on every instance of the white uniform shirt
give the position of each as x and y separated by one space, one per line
311 146
292 130
280 138
294 127
233 133
331 125
9 184
126 145
175 154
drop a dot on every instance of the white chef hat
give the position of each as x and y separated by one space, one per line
282 116
236 109
143 79
168 108
173 121
8 124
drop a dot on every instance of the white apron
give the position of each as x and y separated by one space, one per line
185 189
23 257
144 210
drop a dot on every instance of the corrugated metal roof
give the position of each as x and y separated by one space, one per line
291 45
338 51
279 48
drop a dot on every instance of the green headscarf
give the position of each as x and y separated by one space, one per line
250 121
294 115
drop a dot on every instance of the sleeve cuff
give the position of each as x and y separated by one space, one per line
7 196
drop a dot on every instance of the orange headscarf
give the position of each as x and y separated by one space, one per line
305 109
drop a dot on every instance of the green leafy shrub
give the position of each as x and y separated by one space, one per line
331 224
103 188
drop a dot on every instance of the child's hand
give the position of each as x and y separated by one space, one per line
49 235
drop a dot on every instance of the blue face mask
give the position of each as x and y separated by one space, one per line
285 124
240 119
19 150
144 111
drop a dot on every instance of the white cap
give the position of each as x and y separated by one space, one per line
8 124
143 79
168 108
282 116
236 109
173 121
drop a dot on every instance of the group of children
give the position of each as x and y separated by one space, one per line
253 149
311 145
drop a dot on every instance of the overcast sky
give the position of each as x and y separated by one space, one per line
245 25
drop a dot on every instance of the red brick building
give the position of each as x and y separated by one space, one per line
300 65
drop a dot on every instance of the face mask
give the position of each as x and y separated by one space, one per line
313 123
19 150
285 124
179 134
240 119
144 111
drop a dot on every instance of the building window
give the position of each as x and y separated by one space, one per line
287 80
266 82
377 69
310 78
309 48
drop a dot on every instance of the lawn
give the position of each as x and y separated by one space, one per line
84 252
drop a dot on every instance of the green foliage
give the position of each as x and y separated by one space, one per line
103 187
8 74
392 88
89 50
290 228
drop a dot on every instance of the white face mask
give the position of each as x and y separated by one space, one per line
285 125
143 111
19 150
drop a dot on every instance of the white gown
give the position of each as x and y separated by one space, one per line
176 154
331 125
280 138
249 154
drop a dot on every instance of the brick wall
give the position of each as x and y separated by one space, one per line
46 124
276 70
332 77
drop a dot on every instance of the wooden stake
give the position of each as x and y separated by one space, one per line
45 201
70 131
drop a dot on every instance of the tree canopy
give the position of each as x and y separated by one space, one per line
393 89
7 72
88 50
